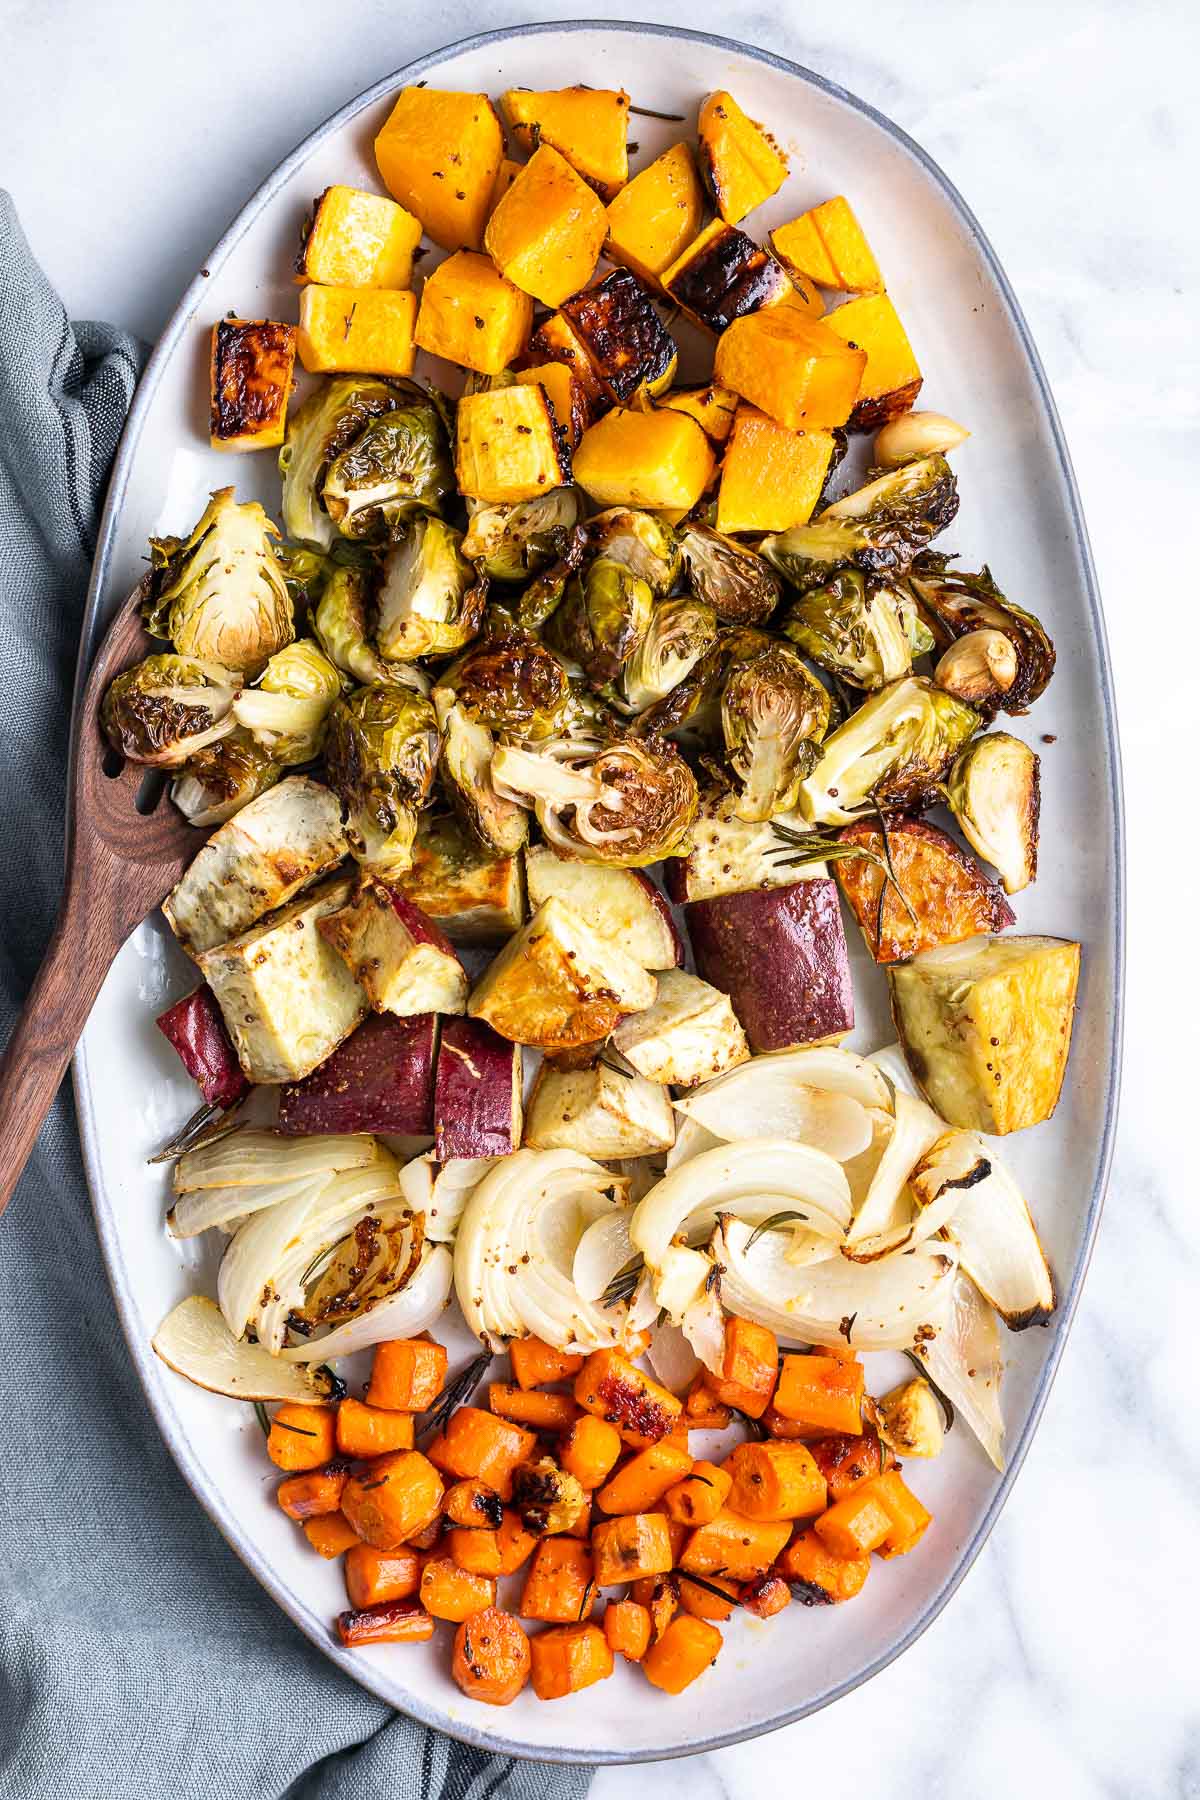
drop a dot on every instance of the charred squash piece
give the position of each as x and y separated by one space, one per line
557 340
947 890
891 380
843 1459
586 125
743 166
723 274
630 349
439 154
509 446
567 394
471 315
827 245
251 378
368 331
797 370
358 240
656 214
548 230
771 478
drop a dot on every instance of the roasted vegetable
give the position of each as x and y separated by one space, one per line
733 580
219 780
878 529
547 230
629 804
439 154
380 1078
712 407
167 708
622 904
628 346
510 682
916 434
793 368
852 629
499 824
603 619
472 316
894 751
477 1102
688 1035
780 954
476 896
558 984
955 603
986 1027
773 715
680 632
600 1112
772 478
827 245
909 1419
685 1650
656 214
994 792
367 330
660 460
328 423
431 599
341 624
399 958
642 543
742 164
355 239
731 855
918 889
722 275
556 340
393 1499
380 756
286 709
220 594
397 465
196 1031
511 543
586 125
509 446
478 1446
250 381
491 1657
891 380
775 1481
979 669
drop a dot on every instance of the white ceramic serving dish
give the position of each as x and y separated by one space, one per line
1020 511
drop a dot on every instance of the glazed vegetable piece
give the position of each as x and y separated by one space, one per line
994 791
714 1600
219 594
473 1503
366 1431
732 579
472 316
380 756
558 984
568 1659
537 1364
508 446
612 1388
286 709
301 1437
946 896
894 751
568 396
500 825
477 1096
956 603
623 337
478 1445
659 1595
394 1622
687 1647
513 542
771 477
775 1481
844 1460
428 134
822 1393
587 125
360 329
639 1484
627 804
742 165
909 1519
379 1079
448 1592
749 1368
547 230
539 1412
491 1657
979 668
590 1449
699 1497
631 1547
330 1535
856 1524
701 1407
396 467
827 245
355 239
656 214
249 383
878 529
407 1374
623 904
559 1588
773 715
392 1498
712 407
328 423
600 1111
678 634
721 275
658 459
853 629
792 367
603 619
167 708
818 1577
196 1031
314 1492
400 959
640 542
475 896
780 954
627 1629
431 600
375 1577
688 1035
511 683
216 782
892 378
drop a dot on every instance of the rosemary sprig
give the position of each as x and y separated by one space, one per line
624 1283
457 1394
774 1223
206 1126
260 1413
946 1404
298 1429
323 1256
710 1587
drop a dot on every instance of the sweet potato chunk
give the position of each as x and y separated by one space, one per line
558 984
251 378
656 214
947 890
471 315
586 125
439 154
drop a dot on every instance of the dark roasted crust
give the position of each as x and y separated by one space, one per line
946 888
869 415
622 333
252 362
731 275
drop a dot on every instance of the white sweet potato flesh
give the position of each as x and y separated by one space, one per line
986 1027
690 1034
621 904
598 1112
474 897
477 1096
731 856
403 963
558 984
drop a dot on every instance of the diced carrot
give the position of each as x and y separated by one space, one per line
408 1374
777 1426
395 1622
627 1628
818 1577
686 1648
330 1534
301 1437
590 1450
448 1592
559 1587
537 1364
640 1484
515 1542
567 1659
491 1657
611 1387
700 1496
427 1536
633 1545
766 1596
822 1393
540 1412
845 1461
677 1536
910 1520
473 1503
731 1545
374 1577
317 1491
749 1369
393 1497
476 1445
701 1407
365 1431
855 1525
659 1594
775 1481
475 1550
702 1603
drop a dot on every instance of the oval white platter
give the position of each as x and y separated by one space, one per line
1019 512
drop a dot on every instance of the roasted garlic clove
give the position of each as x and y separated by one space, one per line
916 434
978 668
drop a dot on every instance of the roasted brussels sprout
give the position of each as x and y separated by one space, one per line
681 631
167 708
994 792
545 592
877 529
955 603
497 824
643 544
287 709
628 804
511 683
893 752
511 543
398 464
740 587
851 629
305 570
603 618
431 600
773 715
218 781
694 704
317 432
341 624
381 751
220 594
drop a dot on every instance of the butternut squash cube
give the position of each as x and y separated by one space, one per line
742 164
250 380
722 275
509 446
827 245
891 380
367 331
793 368
573 411
358 240
712 407
557 340
657 459
586 125
657 215
439 154
547 232
771 478
506 174
471 315
622 335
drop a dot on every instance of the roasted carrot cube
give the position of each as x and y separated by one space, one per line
910 1520
358 240
627 1628
559 1587
395 1622
856 1525
677 1536
775 1481
818 1576
365 1431
317 1491
700 1496
476 1444
439 154
686 1648
702 1603
368 331
590 1450
375 1576
540 1412
734 1546
702 1409
407 1375
611 1387
659 1594
473 1503
301 1437
515 1543
749 1369
448 1592
766 1596
472 316
640 1484
568 1659
845 1461
892 378
250 381
633 1545
491 1657
771 477
330 1534
392 1498
476 1551
534 1362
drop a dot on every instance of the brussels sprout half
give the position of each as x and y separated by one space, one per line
627 805
286 710
773 715
893 751
735 581
603 619
852 630
340 623
511 543
994 792
381 751
431 601
397 465
645 545
167 708
877 529
497 824
955 603
680 632
221 594
222 778
511 683
317 432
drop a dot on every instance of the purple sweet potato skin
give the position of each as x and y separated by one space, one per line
664 912
477 1097
195 1028
780 954
419 925
380 1078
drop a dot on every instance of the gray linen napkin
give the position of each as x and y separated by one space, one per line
137 1656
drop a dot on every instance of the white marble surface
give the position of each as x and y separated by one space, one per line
129 136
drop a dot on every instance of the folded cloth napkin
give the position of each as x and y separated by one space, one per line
137 1655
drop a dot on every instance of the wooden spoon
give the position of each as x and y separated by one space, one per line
121 863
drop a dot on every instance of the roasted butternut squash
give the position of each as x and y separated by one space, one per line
375 1576
506 174
491 1657
586 125
368 331
699 1497
891 381
569 1659
818 1577
627 1629
610 1386
735 1546
508 445
686 1648
658 459
448 1592
712 407
365 1431
797 370
827 245
656 214
330 1534
590 1450
358 240
407 1374
632 1546
547 231
567 394
439 154
822 1393
723 275
476 1444
394 1622
640 1484
742 164
771 478
560 1586
775 1481
557 340
393 1497
857 1524
471 315
302 1437
250 382
632 353
315 1492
